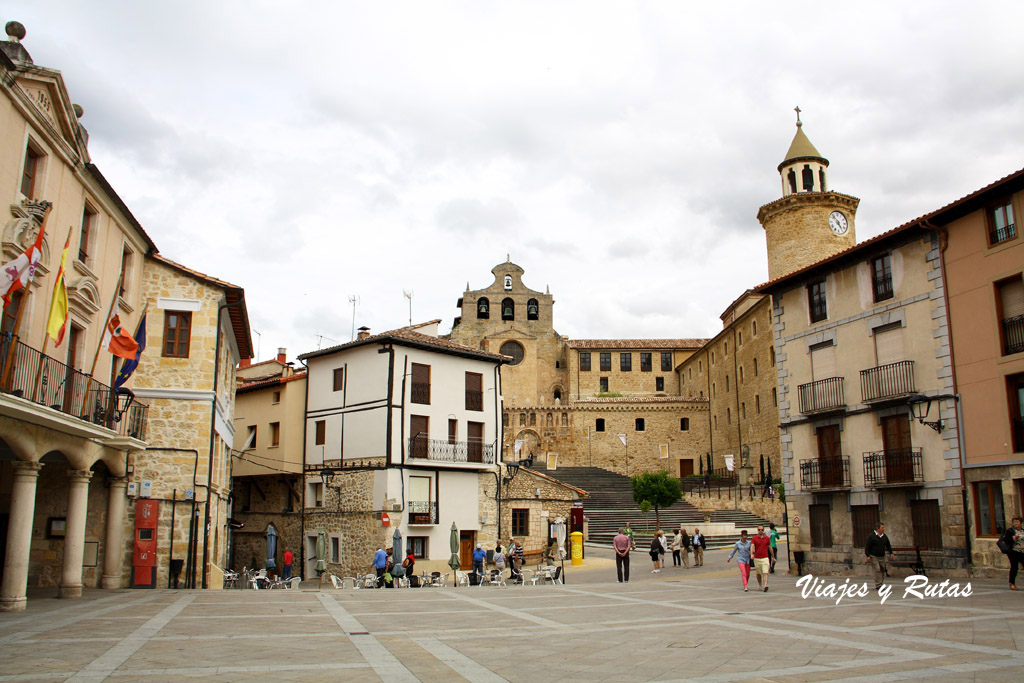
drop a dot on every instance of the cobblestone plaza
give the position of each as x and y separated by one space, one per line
675 625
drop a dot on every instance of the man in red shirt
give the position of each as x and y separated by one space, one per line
762 545
286 573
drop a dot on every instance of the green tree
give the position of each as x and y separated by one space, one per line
645 507
659 488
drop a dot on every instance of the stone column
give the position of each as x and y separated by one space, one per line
19 535
74 538
113 552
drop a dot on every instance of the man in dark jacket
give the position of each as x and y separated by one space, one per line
875 549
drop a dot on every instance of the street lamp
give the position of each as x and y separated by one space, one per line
920 407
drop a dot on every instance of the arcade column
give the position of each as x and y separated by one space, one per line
113 550
74 540
19 535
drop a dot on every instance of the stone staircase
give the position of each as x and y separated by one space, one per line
611 505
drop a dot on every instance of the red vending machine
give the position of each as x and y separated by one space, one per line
144 553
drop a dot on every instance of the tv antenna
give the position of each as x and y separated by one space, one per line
408 295
354 300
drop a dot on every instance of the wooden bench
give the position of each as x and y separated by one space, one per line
909 556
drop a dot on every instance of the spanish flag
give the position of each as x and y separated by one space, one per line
57 324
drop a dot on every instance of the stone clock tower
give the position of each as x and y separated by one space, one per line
810 222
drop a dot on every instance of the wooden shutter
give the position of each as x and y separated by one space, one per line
889 344
1011 294
924 515
865 518
823 361
821 526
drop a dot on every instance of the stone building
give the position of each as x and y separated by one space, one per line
266 472
735 373
531 503
402 432
199 330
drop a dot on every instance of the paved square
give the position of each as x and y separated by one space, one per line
675 625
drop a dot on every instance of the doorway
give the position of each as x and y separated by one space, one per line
685 468
467 544
899 465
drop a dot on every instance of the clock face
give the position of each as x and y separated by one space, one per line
837 221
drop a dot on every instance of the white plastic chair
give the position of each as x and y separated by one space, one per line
461 578
337 583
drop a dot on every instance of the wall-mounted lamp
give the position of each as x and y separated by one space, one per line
513 469
327 475
920 407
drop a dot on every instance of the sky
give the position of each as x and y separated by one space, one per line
312 152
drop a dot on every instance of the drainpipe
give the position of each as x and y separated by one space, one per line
302 478
499 446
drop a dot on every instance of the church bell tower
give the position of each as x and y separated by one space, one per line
809 222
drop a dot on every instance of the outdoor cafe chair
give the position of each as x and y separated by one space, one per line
496 577
230 579
337 583
531 578
461 578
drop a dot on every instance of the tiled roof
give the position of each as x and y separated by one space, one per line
408 336
948 213
551 479
636 343
246 387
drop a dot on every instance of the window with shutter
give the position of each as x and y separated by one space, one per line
889 344
1011 303
823 361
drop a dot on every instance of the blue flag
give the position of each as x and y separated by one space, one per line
128 367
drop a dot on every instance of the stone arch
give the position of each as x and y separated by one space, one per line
531 444
557 392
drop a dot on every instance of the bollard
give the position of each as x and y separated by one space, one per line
576 547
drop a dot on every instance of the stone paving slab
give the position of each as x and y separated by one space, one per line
672 626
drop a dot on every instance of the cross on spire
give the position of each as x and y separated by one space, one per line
797 110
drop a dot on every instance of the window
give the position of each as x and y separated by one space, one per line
791 178
726 349
276 397
520 522
604 385
250 440
585 362
753 327
666 361
31 172
775 397
420 384
335 549
88 222
474 391
659 384
988 508
418 546
755 367
865 518
881 277
339 379
532 310
419 436
684 424
743 410
741 374
924 516
1015 386
177 333
533 419
727 383
275 433
712 358
606 362
599 424
321 433
714 389
808 182
453 430
625 362
522 419
508 309
816 299
739 338
757 403
1010 299
475 441
728 415
645 362
127 256
821 526
513 350
1001 224
483 308
771 355
640 424
316 494
821 179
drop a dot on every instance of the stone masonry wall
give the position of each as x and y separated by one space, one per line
555 500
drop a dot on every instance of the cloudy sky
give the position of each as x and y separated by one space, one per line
617 151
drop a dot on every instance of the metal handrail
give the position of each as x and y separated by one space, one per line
822 395
887 381
825 473
893 466
451 451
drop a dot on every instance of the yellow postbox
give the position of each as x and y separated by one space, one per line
576 545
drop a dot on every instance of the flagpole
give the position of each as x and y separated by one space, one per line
113 391
46 335
99 344
24 302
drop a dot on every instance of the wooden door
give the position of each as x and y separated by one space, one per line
467 544
830 456
685 468
419 436
899 464
475 441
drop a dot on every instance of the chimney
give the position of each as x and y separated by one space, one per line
364 332
245 362
282 355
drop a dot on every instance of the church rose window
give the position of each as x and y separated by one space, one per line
514 350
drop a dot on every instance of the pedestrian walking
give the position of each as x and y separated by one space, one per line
1012 544
663 541
479 558
629 533
741 550
698 548
677 546
773 534
622 545
380 564
686 549
656 551
389 577
876 548
762 546
767 490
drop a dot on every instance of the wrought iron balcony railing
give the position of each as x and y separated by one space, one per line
825 473
47 381
474 399
1002 234
422 512
893 467
433 450
822 396
1013 334
887 381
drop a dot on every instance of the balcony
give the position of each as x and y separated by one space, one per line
422 512
1001 234
887 382
46 381
893 467
1013 335
432 450
825 473
474 399
823 396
